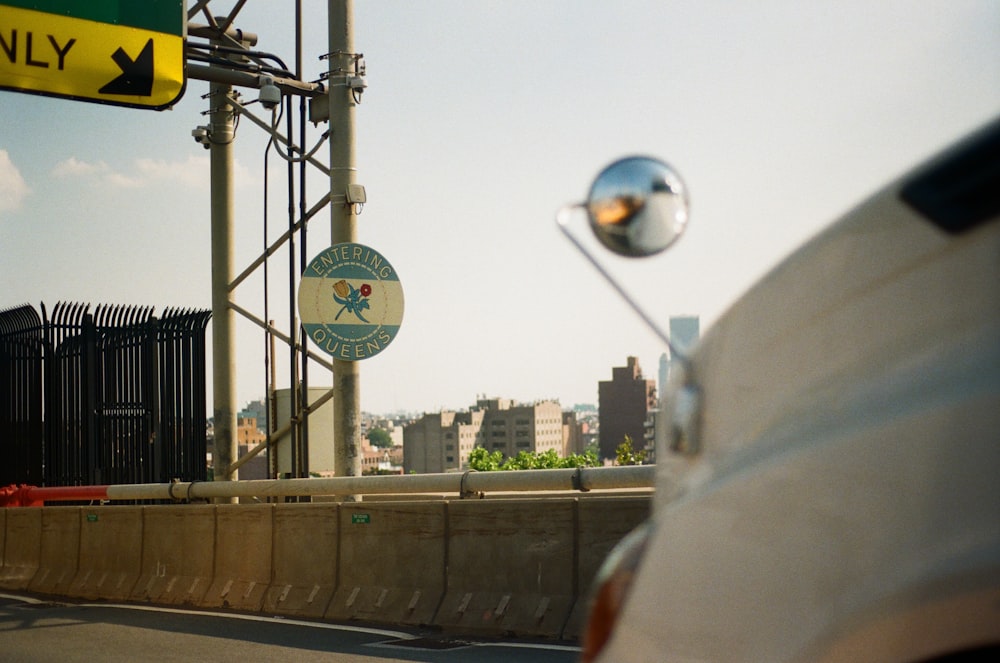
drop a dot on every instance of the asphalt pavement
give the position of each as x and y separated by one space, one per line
35 630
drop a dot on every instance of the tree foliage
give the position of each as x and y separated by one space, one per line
482 460
588 458
626 455
380 437
378 471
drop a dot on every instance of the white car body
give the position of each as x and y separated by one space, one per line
842 502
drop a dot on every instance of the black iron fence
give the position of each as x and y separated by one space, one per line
109 397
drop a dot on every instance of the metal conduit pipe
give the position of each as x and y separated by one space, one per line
463 484
252 80
209 32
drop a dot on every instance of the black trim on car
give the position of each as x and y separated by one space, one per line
961 190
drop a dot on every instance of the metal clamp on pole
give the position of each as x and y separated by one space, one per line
465 493
577 481
189 488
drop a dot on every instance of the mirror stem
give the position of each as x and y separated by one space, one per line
562 220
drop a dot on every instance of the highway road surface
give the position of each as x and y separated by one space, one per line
41 631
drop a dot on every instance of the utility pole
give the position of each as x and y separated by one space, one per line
342 103
220 136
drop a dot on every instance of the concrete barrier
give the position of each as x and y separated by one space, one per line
487 567
110 552
242 557
22 548
510 567
601 525
60 550
392 562
178 554
305 559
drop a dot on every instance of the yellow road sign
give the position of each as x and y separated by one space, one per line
128 64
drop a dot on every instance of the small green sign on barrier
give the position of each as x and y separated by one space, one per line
361 518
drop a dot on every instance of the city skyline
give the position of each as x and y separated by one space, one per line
478 123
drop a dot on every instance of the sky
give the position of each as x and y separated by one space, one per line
482 119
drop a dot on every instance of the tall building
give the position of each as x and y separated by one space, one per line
684 334
248 436
627 405
258 410
441 442
684 331
663 377
572 434
248 432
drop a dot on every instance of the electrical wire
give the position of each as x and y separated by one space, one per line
287 156
254 55
267 320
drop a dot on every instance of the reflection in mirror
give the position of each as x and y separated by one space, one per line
637 206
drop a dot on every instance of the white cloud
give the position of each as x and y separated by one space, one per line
13 188
73 167
192 172
123 181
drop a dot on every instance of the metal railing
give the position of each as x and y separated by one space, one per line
464 484
93 397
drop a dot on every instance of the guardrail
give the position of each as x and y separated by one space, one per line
465 484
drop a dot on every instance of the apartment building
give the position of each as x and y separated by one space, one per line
442 441
511 428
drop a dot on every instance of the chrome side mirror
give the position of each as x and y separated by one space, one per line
637 206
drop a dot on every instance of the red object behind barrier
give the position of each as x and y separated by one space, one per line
25 495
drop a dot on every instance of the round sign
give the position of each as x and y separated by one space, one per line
350 301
